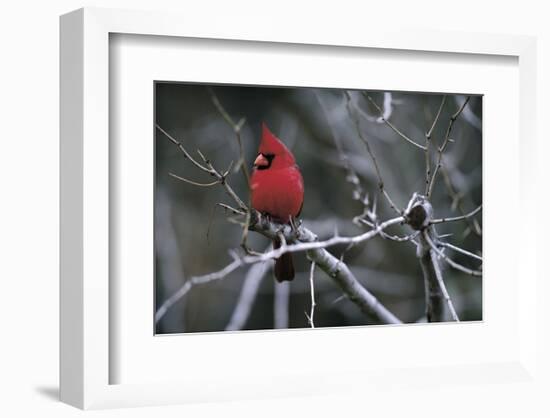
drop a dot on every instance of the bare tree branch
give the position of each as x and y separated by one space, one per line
371 154
456 218
280 304
470 117
316 252
194 183
432 290
300 239
398 238
312 292
452 263
457 200
442 148
207 168
418 212
387 108
344 278
182 291
460 250
306 241
231 209
171 275
241 163
182 148
387 122
351 177
430 131
247 296
428 141
236 127
332 266
439 276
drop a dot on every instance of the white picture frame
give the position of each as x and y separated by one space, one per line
85 165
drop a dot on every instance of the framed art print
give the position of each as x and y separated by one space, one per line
247 214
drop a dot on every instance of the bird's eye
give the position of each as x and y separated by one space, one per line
263 161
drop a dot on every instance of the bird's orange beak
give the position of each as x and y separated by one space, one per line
261 161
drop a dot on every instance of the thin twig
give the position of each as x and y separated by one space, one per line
280 304
182 148
460 250
231 209
470 116
428 141
336 240
391 125
432 290
236 127
351 175
316 252
207 168
194 183
312 292
241 163
247 296
442 148
371 154
398 238
340 273
451 262
456 218
439 276
457 199
168 253
430 131
182 291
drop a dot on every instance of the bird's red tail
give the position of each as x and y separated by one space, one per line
284 267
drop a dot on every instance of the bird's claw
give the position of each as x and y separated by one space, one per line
295 225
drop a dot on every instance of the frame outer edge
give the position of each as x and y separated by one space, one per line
71 321
528 64
83 356
95 210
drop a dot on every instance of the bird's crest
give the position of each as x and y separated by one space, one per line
271 145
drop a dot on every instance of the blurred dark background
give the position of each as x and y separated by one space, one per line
193 238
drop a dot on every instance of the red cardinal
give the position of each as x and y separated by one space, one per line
277 190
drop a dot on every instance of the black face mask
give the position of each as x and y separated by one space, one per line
269 158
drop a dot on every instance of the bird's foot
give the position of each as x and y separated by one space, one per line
249 251
295 225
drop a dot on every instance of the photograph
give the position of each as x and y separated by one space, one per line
246 209
282 207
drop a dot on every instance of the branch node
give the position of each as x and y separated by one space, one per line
419 212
